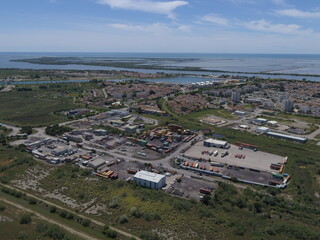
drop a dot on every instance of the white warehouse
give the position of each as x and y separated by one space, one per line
215 143
150 180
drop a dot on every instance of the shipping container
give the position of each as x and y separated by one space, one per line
132 171
205 191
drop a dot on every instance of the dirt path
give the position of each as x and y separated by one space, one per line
69 229
75 213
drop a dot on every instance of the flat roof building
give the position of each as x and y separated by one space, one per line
260 121
150 180
215 143
287 137
262 130
97 163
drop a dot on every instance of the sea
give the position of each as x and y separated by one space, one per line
284 66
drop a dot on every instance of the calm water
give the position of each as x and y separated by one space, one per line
257 63
178 80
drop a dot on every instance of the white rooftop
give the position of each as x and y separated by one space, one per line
149 176
263 128
261 119
287 136
215 141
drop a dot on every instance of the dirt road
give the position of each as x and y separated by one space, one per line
75 213
68 229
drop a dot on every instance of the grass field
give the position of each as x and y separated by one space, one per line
11 228
37 107
308 119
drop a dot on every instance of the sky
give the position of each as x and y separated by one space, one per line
178 26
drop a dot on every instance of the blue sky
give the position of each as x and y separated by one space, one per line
212 26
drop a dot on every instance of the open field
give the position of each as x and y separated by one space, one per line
36 107
221 113
38 228
170 216
308 119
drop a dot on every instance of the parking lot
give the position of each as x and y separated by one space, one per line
189 188
246 158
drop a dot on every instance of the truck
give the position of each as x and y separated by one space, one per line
279 176
132 171
205 191
274 183
224 154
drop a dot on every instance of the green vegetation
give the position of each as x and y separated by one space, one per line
140 209
57 130
27 130
25 218
222 113
38 107
27 229
304 118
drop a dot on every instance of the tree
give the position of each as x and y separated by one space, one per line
26 130
206 200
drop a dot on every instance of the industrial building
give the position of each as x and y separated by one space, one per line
260 121
215 143
273 123
100 132
287 137
97 163
262 130
239 113
131 129
150 180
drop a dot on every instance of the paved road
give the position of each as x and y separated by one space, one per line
69 229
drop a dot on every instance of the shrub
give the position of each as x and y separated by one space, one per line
53 209
55 233
114 203
2 208
22 236
123 219
149 236
134 212
32 201
240 230
63 213
86 222
41 227
25 218
111 233
69 216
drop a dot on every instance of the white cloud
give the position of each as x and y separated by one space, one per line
280 2
298 13
212 18
266 26
158 7
156 28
